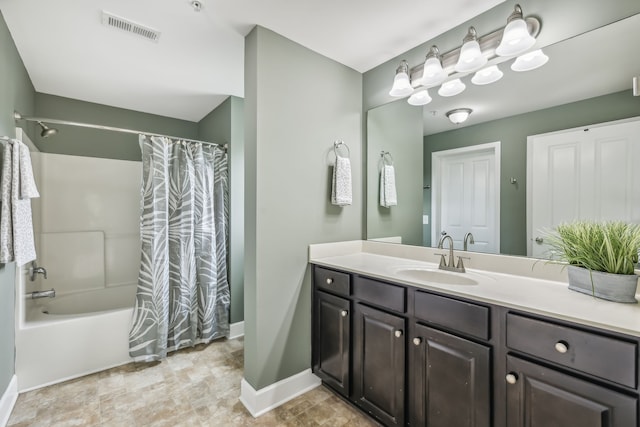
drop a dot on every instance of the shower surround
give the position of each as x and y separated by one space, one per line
87 235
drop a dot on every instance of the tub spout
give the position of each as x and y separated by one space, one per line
51 293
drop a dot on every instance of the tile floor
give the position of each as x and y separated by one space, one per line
192 387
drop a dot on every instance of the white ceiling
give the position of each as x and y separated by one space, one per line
199 58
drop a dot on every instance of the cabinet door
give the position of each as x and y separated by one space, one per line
450 380
331 343
378 364
542 397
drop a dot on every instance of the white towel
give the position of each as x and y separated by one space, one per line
341 184
388 195
16 224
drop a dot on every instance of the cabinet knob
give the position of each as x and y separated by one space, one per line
562 347
329 280
417 341
344 313
511 378
539 240
398 333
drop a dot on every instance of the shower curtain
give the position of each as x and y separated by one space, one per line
183 293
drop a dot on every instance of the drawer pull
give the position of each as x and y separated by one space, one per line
562 347
417 341
511 378
398 333
344 313
329 280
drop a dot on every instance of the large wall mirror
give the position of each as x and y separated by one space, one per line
587 80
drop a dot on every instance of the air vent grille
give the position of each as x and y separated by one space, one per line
117 22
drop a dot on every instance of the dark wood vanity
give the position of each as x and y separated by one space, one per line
414 357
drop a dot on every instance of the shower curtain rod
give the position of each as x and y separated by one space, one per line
17 116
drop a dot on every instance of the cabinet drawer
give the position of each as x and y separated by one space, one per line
470 319
332 281
379 293
606 357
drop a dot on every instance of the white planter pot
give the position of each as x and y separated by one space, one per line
612 287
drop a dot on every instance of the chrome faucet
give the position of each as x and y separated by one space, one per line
34 269
450 266
51 293
468 238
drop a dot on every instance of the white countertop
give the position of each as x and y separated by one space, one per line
545 297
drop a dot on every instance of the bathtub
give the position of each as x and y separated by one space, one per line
73 335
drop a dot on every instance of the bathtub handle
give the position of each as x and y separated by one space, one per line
34 269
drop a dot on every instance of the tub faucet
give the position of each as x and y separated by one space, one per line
34 269
51 293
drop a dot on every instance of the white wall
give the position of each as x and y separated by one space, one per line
86 221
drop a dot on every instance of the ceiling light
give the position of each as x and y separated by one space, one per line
515 37
487 75
452 88
433 73
471 57
401 84
420 98
459 115
530 61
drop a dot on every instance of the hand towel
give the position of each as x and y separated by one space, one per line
388 195
16 230
341 184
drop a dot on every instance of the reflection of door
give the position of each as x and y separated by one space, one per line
466 196
586 173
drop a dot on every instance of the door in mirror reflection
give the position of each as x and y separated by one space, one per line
586 173
466 196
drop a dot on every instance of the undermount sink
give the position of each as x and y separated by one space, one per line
435 276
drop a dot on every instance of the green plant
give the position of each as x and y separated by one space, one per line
611 247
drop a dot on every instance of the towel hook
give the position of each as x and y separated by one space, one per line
337 143
386 157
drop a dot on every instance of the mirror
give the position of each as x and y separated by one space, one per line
586 81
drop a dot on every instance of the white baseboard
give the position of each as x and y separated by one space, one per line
261 401
236 330
7 401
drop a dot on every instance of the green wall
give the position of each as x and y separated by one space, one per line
16 93
78 141
225 124
513 132
297 103
397 128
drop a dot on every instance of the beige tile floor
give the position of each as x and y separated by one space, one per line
192 387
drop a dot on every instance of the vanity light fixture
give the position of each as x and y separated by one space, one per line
471 57
516 37
530 61
459 115
421 97
487 75
401 84
452 88
433 73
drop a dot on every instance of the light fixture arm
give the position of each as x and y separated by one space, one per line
488 44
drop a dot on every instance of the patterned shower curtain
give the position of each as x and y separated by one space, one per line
183 293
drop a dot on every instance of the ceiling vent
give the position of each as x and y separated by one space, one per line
113 21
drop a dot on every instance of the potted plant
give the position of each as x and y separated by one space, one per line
602 257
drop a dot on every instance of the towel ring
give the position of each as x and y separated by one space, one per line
386 157
336 145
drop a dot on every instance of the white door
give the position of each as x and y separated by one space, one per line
586 173
465 196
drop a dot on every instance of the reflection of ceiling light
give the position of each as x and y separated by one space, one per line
451 88
433 73
401 83
515 38
636 86
487 75
459 115
530 61
420 98
471 57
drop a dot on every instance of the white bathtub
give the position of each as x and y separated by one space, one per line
73 335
